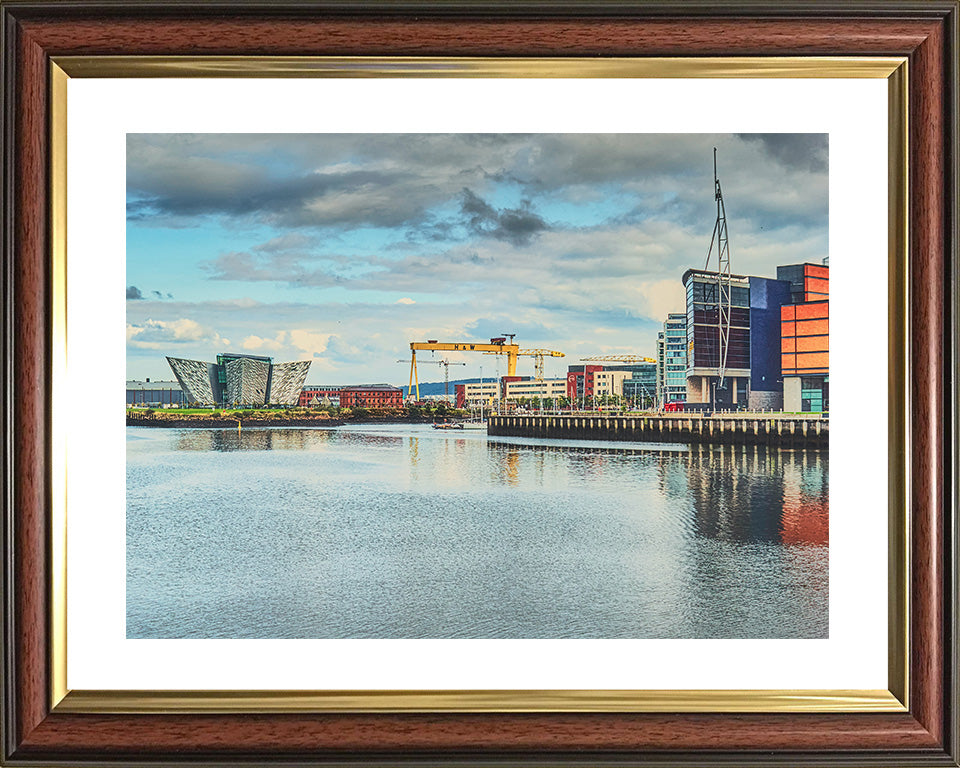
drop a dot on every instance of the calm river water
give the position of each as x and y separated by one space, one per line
409 532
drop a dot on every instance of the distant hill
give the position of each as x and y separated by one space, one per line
436 387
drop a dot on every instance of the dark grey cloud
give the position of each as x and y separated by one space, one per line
313 199
344 181
514 225
432 230
135 294
803 151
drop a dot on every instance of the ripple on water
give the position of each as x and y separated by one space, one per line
407 532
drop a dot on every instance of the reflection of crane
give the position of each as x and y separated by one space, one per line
446 373
497 346
538 355
620 359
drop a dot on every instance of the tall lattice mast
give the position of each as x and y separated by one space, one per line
719 238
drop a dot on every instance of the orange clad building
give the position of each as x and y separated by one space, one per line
805 337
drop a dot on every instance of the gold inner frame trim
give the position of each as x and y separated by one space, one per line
898 415
425 66
893 69
233 702
58 371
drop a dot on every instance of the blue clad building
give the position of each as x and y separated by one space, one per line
766 383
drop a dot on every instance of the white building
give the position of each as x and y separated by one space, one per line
610 382
475 393
545 388
514 390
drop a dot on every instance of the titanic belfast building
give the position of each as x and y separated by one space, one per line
245 380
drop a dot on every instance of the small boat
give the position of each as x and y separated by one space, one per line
447 425
472 425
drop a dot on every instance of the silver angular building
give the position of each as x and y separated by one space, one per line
247 380
198 380
287 382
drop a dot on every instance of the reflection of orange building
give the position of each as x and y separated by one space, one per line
806 522
805 336
805 518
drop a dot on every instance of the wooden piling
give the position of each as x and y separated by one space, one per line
786 431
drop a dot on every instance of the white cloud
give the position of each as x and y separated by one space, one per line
158 334
255 343
308 344
663 297
405 300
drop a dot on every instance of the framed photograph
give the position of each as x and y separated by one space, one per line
305 539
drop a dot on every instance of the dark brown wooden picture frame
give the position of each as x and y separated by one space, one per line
34 33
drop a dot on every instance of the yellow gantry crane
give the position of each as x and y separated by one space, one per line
619 359
446 373
496 346
538 355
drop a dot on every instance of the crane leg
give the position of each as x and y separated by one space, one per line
413 357
416 376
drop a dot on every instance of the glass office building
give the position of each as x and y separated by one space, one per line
672 360
640 388
703 340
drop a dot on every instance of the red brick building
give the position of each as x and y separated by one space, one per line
580 383
308 393
371 396
363 395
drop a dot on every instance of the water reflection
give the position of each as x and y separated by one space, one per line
738 493
251 439
396 532
275 439
805 516
755 494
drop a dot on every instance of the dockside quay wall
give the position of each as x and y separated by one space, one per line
716 430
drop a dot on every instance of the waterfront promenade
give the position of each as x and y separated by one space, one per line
793 430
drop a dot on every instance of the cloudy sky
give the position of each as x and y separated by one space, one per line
342 249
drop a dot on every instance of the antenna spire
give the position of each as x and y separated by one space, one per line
719 238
